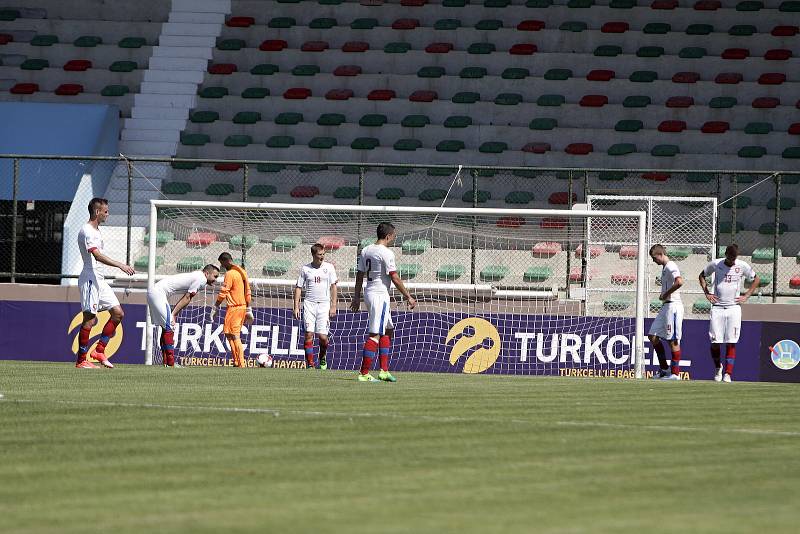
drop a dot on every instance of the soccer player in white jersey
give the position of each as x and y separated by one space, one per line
668 323
318 281
726 314
376 262
164 315
96 294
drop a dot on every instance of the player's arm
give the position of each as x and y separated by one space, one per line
297 293
704 286
102 258
224 291
753 286
355 304
676 285
181 304
334 297
398 283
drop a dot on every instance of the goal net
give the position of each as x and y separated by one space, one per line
498 290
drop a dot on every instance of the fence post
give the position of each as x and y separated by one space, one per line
361 184
472 233
14 194
569 227
130 213
735 200
717 233
775 255
245 181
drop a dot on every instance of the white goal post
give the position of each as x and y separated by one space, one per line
500 277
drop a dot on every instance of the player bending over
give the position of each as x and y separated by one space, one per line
669 321
318 280
163 315
236 293
96 294
726 314
377 263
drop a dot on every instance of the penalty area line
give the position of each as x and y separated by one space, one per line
276 412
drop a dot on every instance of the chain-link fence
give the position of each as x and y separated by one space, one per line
43 201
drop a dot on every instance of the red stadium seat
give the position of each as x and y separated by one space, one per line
69 89
735 53
405 24
656 176
510 222
536 148
594 250
664 4
523 49
561 198
355 46
615 27
222 68
304 191
685 77
331 242
546 249
576 275
785 31
772 78
273 45
600 75
672 126
715 127
628 252
707 5
77 65
728 78
381 94
531 25
623 279
314 46
240 22
439 48
339 94
593 101
297 93
423 96
766 102
24 89
226 166
778 54
347 70
794 129
6 38
201 239
680 102
794 282
556 223
579 149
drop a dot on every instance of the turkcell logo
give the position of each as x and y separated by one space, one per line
785 354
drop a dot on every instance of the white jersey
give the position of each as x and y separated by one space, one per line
316 282
668 275
182 283
377 261
728 280
90 239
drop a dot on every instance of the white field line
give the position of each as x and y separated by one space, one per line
431 418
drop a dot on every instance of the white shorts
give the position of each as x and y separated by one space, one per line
160 310
668 324
96 295
380 317
315 317
726 324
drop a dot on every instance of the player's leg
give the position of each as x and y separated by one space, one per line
232 328
308 348
377 306
161 316
108 301
657 332
310 326
89 320
716 326
323 351
733 326
384 349
676 327
322 327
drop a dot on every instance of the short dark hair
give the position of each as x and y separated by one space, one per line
95 204
210 267
657 249
732 249
384 229
316 247
225 256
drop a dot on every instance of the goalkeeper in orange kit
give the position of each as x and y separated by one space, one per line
236 294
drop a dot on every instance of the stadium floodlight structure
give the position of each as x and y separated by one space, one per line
504 288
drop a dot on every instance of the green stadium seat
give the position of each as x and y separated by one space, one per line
786 203
255 92
262 191
699 177
325 23
742 202
536 274
790 6
792 152
622 4
44 40
655 305
449 272
617 303
493 147
185 165
656 28
390 193
306 70
34 64
441 171
636 101
678 253
281 22
701 306
725 227
573 26
765 254
692 52
466 97
612 176
243 241
643 76
416 247
429 195
742 30
162 238
481 48
408 271
558 74
396 48
397 171
286 243
238 140
204 116
7 14
407 144
752 152
219 190
280 141
213 92
190 263
608 51
450 145
750 5
231 44
115 90
132 42
650 51
247 117
769 229
458 121
722 102
580 4
758 128
551 100
431 72
764 279
373 120
195 139
364 24
665 150
447 24
331 119
264 69
515 74
483 196
543 123
620 149
539 4
472 72
519 197
364 143
415 121
629 125
289 118
346 193
277 267
123 66
88 41
489 25
699 29
494 273
322 143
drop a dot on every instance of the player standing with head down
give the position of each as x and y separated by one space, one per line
726 314
96 294
236 293
165 316
318 280
376 262
668 323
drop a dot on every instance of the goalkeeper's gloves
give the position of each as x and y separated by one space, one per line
249 317
213 313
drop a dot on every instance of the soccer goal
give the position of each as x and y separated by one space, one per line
498 290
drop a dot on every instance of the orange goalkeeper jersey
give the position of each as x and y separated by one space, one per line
235 288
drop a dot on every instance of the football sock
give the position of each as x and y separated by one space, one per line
308 346
168 347
323 348
715 355
662 357
676 360
83 343
730 357
368 354
239 354
383 352
108 333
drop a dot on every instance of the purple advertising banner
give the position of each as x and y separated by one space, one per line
424 341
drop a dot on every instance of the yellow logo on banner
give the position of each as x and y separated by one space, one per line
481 358
97 329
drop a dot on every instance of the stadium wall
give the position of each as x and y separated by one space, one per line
42 322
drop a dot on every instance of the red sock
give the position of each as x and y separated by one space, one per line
308 346
108 333
730 357
168 347
83 343
383 352
676 360
368 354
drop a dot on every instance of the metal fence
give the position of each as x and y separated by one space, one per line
756 208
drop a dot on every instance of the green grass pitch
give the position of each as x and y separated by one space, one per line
143 449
